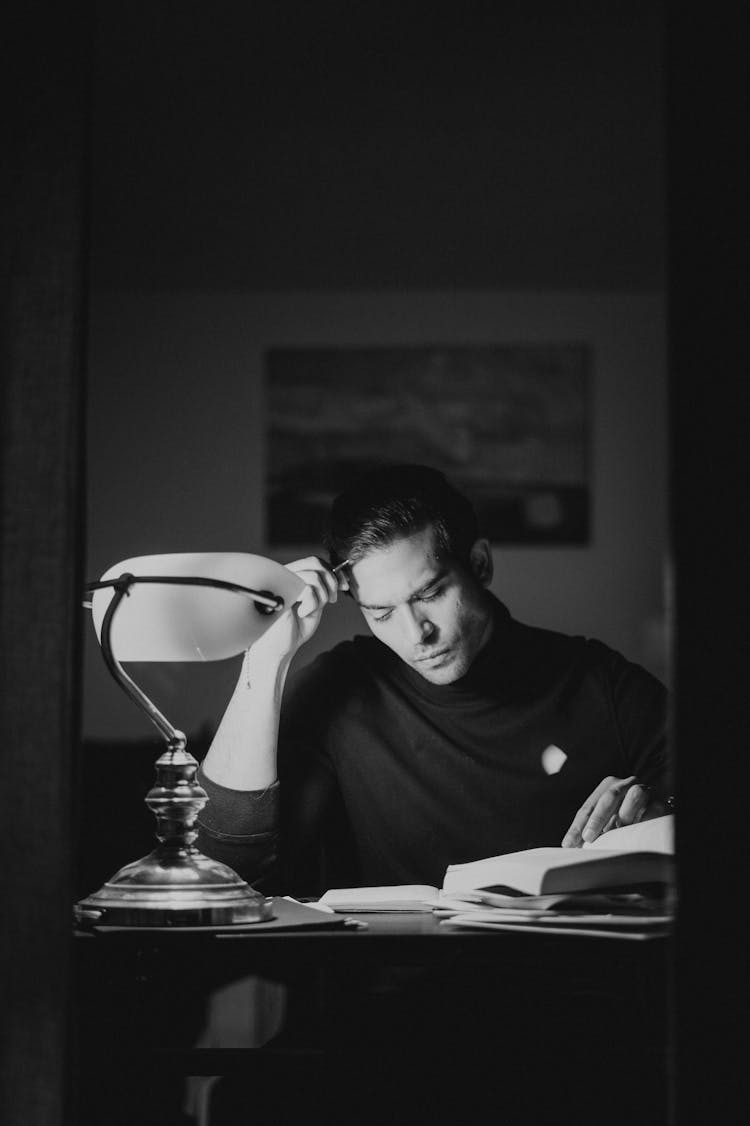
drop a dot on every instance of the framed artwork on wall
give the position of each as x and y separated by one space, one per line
507 423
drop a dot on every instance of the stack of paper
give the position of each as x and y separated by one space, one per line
627 915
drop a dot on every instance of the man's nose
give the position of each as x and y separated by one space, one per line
419 628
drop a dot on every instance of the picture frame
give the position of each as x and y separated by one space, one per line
507 423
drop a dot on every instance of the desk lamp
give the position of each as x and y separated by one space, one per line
180 607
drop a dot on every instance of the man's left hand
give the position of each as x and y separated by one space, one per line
614 802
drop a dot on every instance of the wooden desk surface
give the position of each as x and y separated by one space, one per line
396 938
405 997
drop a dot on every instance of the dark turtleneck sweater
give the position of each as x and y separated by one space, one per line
385 778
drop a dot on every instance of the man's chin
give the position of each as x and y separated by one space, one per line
441 672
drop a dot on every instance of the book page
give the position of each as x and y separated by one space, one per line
540 871
509 868
654 835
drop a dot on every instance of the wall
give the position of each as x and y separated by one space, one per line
375 146
176 454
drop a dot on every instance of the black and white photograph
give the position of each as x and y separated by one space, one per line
373 564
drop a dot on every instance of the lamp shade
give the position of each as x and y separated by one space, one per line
163 621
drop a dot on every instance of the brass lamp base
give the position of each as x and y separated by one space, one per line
178 887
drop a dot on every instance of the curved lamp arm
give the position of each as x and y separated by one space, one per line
262 598
265 603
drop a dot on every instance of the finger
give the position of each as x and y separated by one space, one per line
315 572
318 580
328 585
573 838
309 563
634 804
312 599
606 807
307 603
343 581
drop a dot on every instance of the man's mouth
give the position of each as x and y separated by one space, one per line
432 658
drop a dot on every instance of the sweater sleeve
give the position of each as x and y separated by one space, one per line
641 709
240 828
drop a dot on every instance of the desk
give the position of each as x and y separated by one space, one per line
405 1021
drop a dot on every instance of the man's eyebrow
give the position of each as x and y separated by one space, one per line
412 597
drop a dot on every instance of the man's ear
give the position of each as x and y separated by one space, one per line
480 558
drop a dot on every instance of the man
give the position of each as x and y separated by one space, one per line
452 733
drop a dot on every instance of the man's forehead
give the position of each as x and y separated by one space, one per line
397 571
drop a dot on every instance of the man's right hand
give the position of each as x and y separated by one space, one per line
297 624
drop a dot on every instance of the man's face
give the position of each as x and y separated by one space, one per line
433 613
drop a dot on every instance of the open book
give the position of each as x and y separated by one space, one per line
639 858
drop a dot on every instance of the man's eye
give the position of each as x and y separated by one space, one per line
382 617
433 594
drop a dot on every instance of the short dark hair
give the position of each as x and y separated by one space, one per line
393 501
